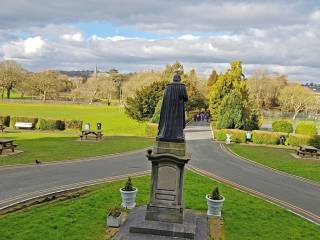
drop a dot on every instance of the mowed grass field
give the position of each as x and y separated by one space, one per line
53 146
114 120
244 216
280 159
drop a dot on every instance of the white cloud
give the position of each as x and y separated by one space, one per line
28 48
77 37
188 37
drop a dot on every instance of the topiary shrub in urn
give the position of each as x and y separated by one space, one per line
214 202
128 195
114 217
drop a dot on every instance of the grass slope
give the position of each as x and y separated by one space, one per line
279 159
54 146
245 217
113 119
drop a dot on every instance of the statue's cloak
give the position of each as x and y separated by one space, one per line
172 116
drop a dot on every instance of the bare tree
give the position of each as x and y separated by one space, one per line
10 75
46 84
296 98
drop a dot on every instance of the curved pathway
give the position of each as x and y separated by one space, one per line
209 158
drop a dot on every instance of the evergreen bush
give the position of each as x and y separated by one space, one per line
215 195
50 124
306 128
72 124
282 126
5 120
128 186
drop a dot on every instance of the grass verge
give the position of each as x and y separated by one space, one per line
245 217
37 145
280 159
114 120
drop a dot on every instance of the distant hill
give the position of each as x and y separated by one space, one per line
80 73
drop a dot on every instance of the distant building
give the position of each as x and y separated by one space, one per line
313 86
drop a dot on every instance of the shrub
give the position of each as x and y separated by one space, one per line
306 128
156 116
5 120
128 186
215 195
72 124
237 135
282 126
265 137
32 120
151 130
115 211
299 139
50 124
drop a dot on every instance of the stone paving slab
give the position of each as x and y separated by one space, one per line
193 222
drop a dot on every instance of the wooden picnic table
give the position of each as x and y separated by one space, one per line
7 144
97 134
308 150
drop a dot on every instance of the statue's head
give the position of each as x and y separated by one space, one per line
177 78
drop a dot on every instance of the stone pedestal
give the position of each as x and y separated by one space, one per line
166 199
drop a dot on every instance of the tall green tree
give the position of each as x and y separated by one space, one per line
142 105
232 79
170 70
231 111
196 100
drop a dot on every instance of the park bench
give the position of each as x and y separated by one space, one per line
23 125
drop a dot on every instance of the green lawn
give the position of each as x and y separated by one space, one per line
114 120
55 146
245 217
279 159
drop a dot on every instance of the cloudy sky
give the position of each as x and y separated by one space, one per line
281 36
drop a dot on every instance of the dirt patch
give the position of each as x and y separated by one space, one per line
304 158
216 231
8 152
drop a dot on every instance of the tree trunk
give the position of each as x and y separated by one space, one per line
8 93
295 115
2 94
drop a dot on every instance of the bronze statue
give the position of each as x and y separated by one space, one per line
172 116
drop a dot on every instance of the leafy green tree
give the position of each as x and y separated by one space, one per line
212 79
156 116
232 79
142 105
231 111
196 99
170 70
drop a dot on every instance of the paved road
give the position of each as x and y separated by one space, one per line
299 196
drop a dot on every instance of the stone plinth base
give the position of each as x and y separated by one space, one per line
195 226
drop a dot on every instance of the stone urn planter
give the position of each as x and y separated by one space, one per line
215 203
128 195
114 217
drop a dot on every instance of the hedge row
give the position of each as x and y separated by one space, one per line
54 124
151 130
43 123
238 136
282 126
265 137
